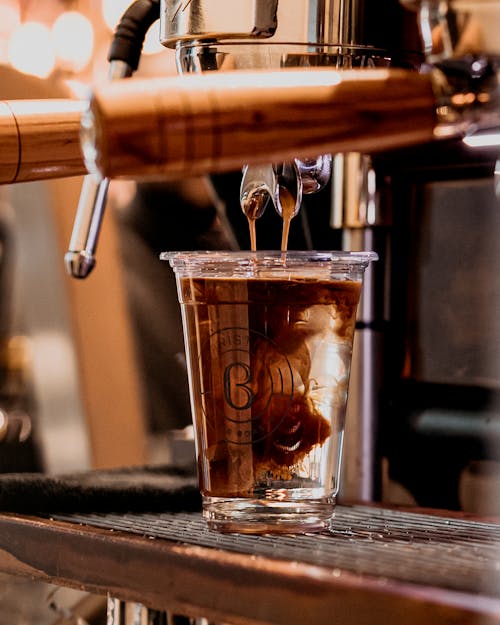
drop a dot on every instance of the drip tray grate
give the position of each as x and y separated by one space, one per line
450 553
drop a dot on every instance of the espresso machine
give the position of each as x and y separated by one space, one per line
424 393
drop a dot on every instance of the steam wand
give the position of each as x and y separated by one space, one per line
124 58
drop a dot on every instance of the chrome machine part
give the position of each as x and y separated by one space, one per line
314 172
337 22
354 193
461 45
261 183
355 210
289 186
257 187
124 55
80 257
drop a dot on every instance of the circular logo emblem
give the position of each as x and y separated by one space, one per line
243 372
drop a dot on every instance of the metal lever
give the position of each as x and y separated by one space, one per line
124 58
80 257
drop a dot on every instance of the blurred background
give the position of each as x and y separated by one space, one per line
75 388
71 380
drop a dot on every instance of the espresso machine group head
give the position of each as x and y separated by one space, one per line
455 40
271 35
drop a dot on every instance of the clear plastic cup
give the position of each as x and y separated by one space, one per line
268 338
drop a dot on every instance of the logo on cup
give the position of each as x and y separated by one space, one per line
243 372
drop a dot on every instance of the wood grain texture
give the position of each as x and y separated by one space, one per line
9 139
40 139
226 587
191 125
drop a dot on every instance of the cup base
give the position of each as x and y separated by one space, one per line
260 516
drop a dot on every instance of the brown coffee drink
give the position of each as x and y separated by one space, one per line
269 364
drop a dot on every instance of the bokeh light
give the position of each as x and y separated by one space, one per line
31 50
112 10
152 43
9 22
73 38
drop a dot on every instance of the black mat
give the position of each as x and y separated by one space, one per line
151 489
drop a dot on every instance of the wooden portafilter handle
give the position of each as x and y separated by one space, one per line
214 122
198 124
40 139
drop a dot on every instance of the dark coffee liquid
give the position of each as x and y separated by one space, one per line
260 357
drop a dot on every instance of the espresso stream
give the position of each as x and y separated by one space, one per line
253 207
287 212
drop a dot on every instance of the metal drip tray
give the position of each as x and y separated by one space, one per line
445 552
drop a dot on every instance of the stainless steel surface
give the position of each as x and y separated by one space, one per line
321 21
181 19
360 481
260 183
298 32
288 183
80 257
354 192
460 39
445 552
314 172
257 188
457 27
